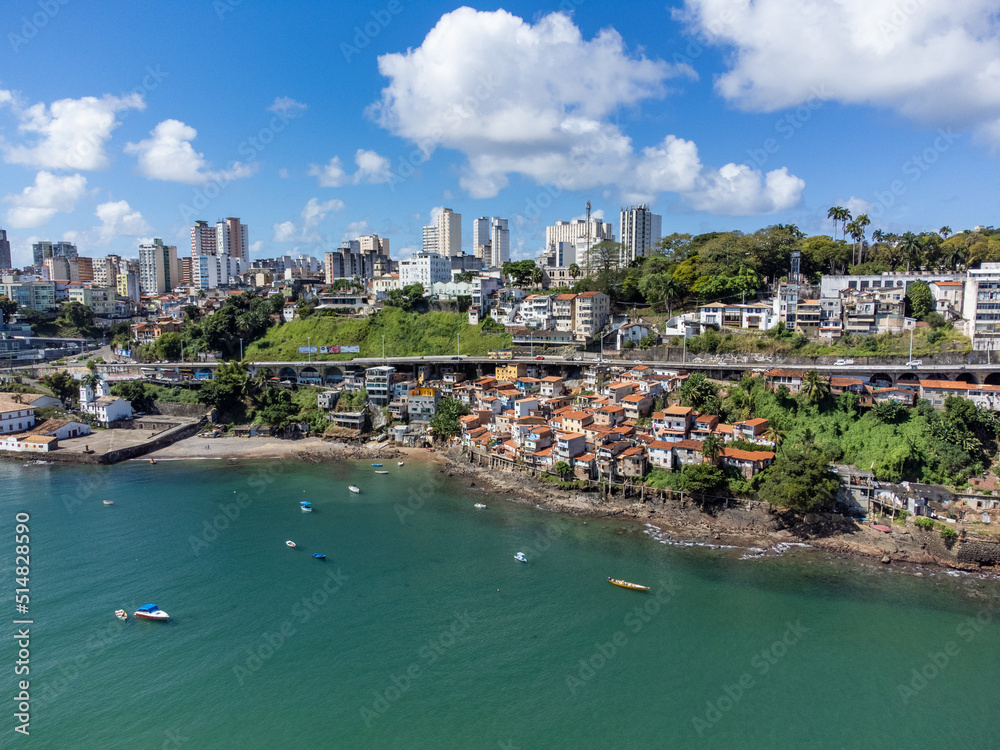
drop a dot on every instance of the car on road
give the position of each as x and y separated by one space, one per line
915 363
843 362
453 359
539 357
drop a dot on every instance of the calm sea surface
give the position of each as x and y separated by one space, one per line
420 630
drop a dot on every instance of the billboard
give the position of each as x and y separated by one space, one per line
350 350
308 349
329 350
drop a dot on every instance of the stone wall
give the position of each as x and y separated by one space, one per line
170 409
979 552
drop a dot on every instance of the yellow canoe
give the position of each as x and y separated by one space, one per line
627 585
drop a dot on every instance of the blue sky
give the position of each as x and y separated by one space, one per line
318 121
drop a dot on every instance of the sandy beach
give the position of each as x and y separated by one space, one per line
306 449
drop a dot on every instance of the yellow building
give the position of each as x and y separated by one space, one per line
511 371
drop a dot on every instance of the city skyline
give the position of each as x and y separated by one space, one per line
692 110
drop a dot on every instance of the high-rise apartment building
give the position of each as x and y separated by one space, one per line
491 239
444 237
81 270
204 239
571 231
640 231
5 262
372 243
159 271
42 251
58 268
233 240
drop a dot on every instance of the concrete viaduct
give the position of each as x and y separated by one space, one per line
333 371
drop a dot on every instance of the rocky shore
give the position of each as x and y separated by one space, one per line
756 527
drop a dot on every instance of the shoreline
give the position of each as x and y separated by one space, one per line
759 531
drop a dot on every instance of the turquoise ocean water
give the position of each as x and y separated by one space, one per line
420 630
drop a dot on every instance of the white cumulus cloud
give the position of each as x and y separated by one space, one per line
539 100
314 211
119 219
287 107
36 204
69 133
373 168
168 155
311 215
935 61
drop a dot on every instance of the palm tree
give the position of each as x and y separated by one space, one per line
712 448
815 387
536 276
91 379
574 271
775 434
945 232
855 231
834 213
910 245
862 223
956 258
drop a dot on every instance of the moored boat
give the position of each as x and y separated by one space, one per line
382 472
520 557
479 505
883 529
121 614
290 543
319 555
377 465
151 612
627 585
353 488
306 506
399 463
109 502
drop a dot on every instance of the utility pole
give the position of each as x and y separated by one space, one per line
588 239
459 334
309 350
383 347
241 350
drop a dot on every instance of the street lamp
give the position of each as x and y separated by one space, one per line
459 343
241 350
383 347
309 351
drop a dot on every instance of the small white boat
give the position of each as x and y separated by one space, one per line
520 557
121 614
151 612
290 543
354 489
109 502
479 505
399 463
306 506
382 472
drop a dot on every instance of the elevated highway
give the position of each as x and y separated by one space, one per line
332 371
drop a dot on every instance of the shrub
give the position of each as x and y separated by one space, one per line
949 535
924 523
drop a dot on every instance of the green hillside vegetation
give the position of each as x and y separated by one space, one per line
936 339
407 334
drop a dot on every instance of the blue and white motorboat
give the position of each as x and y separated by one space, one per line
377 466
520 557
151 612
319 555
306 506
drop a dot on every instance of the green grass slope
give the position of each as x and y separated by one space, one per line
406 335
